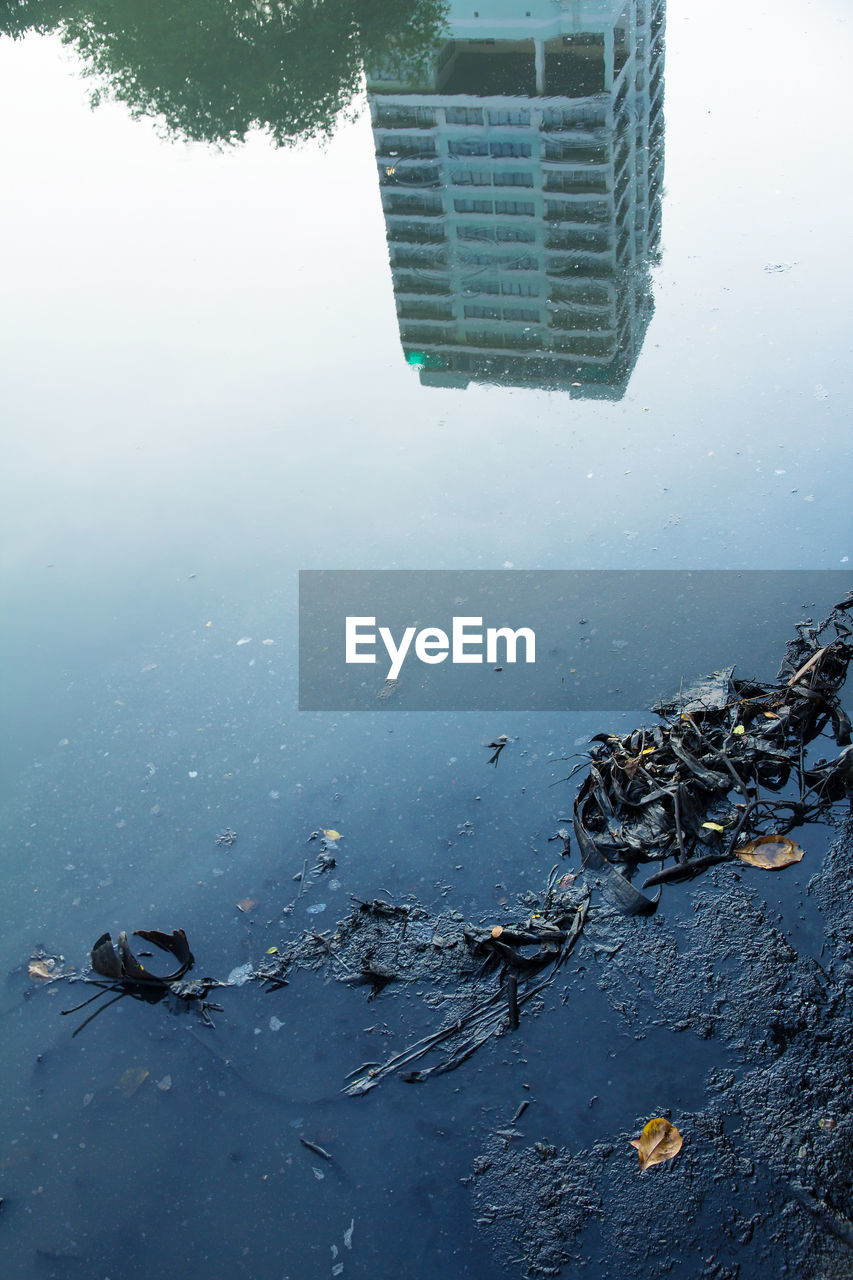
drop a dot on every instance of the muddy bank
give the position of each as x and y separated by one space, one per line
763 1185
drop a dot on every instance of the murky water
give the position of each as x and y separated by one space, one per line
567 291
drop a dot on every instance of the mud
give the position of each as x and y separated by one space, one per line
763 1185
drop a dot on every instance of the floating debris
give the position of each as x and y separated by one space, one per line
132 1079
771 853
44 968
686 793
226 838
242 974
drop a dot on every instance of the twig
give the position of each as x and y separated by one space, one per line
676 805
100 1009
312 1146
807 666
512 999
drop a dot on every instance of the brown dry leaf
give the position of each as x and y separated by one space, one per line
247 904
659 1141
43 969
770 852
497 931
132 1079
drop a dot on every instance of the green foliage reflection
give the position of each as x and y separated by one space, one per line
211 70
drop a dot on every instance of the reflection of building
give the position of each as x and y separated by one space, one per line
520 179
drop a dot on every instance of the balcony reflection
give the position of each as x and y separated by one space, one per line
520 173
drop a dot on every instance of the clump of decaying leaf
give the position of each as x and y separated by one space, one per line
658 1142
726 767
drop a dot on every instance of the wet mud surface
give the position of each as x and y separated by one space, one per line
763 1185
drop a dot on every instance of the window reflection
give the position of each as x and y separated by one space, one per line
520 171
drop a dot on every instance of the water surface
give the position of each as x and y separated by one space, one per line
219 367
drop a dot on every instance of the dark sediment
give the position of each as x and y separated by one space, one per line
763 1186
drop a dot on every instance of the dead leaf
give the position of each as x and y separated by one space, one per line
659 1141
497 931
247 904
331 834
770 852
165 1084
132 1079
104 958
43 969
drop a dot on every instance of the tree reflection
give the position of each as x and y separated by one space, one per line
212 70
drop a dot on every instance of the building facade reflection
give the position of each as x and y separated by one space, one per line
520 174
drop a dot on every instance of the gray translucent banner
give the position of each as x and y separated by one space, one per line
575 640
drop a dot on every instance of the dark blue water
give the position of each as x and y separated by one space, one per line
206 389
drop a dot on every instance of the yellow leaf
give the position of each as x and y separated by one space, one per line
132 1079
272 951
738 729
659 1141
331 834
770 715
770 852
713 826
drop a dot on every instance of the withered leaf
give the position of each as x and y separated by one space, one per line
247 904
132 1079
104 958
175 942
42 969
771 853
658 1142
130 966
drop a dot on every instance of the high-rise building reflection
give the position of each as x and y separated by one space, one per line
520 174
